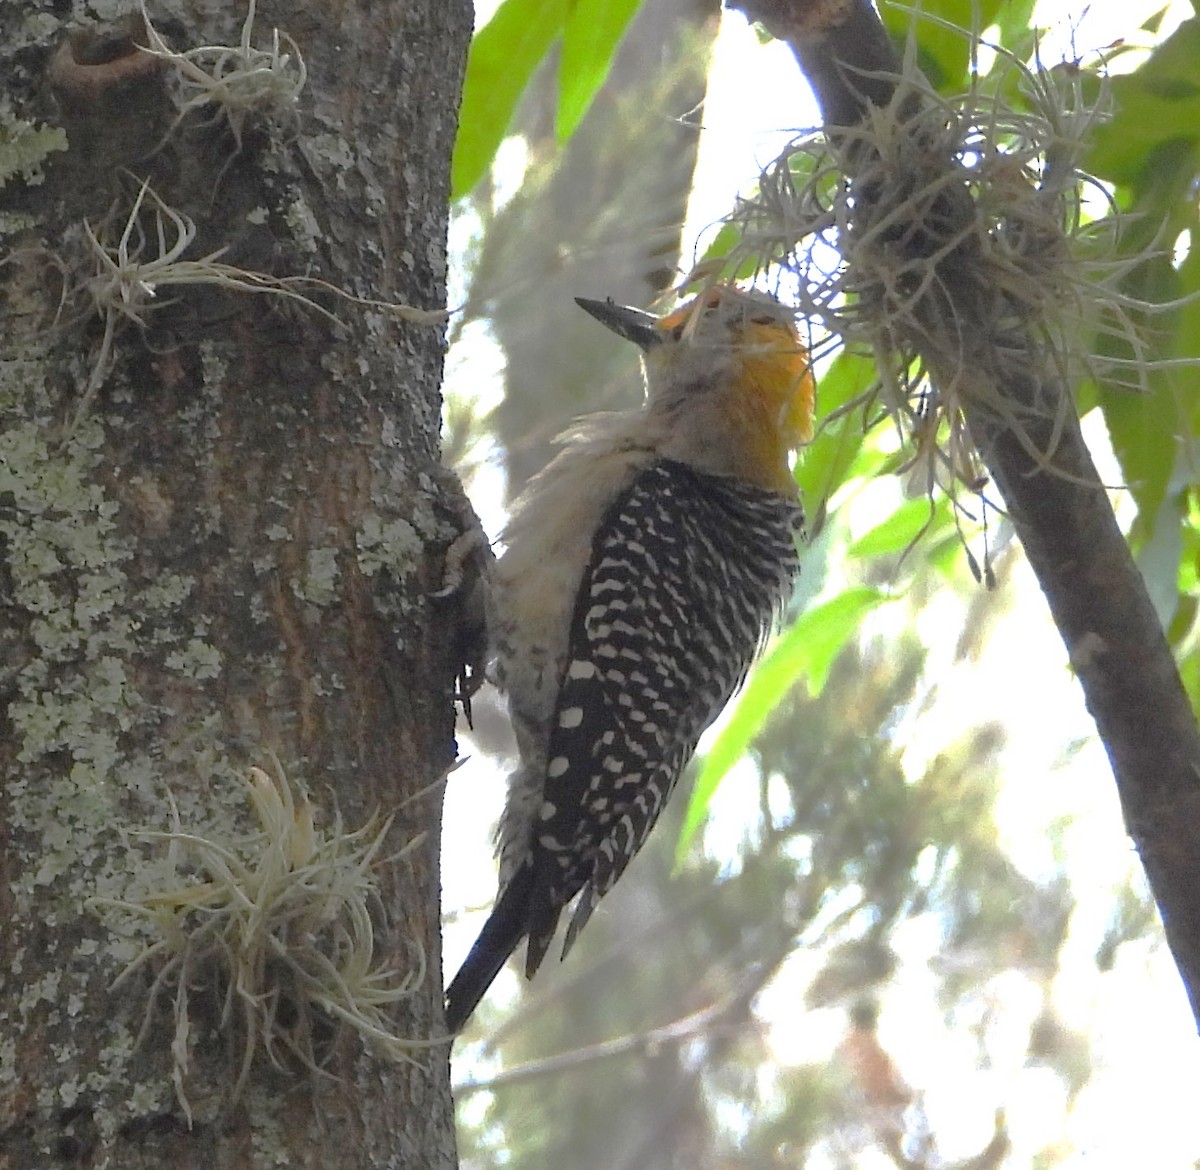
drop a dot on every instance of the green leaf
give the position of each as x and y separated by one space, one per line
943 44
1188 582
1189 672
503 57
1150 432
1158 559
1187 335
1183 621
946 556
897 533
723 243
593 31
825 462
806 650
1156 104
1144 429
1015 22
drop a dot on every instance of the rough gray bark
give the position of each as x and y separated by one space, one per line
228 554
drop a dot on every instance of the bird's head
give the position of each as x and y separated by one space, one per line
731 352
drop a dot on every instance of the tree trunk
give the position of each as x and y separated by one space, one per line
221 520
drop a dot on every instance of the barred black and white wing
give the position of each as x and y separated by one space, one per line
688 572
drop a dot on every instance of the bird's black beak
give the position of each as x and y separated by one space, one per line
633 324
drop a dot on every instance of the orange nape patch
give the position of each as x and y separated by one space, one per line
775 366
769 406
776 369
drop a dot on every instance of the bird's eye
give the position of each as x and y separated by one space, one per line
677 332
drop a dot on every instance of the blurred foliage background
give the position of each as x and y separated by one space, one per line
898 922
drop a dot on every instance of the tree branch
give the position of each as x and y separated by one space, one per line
960 329
727 1011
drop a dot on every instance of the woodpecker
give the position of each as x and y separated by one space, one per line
645 566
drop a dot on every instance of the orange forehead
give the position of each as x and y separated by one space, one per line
709 299
736 306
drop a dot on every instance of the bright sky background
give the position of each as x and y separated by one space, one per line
1139 1110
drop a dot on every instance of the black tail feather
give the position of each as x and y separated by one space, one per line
504 929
